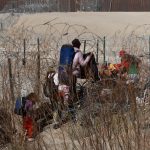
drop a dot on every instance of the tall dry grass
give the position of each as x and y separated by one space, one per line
99 126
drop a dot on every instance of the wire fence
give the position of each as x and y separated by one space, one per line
25 57
24 44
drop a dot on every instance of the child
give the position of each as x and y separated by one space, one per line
28 121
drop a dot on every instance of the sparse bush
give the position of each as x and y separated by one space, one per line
111 125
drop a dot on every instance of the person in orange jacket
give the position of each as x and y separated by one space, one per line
113 70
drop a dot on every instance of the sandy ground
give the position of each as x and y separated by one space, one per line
102 23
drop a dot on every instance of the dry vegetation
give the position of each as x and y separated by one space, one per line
99 127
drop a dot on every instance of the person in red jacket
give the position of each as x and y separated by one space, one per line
124 61
124 65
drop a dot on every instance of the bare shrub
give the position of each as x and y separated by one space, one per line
111 125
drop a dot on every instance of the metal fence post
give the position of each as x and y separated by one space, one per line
97 51
38 68
84 46
104 48
11 80
149 53
24 53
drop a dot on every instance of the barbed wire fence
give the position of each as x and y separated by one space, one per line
21 45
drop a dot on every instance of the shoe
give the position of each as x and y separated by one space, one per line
56 126
30 139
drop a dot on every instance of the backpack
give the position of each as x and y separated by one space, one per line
20 106
66 55
65 63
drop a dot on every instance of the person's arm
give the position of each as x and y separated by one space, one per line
139 64
83 62
56 81
29 108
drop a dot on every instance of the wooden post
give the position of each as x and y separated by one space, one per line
149 49
104 49
149 53
97 51
24 53
38 68
84 46
11 80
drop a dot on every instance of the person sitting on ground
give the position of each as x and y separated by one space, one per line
112 70
124 65
129 66
104 70
108 70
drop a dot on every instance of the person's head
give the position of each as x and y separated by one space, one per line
76 43
51 69
122 53
32 97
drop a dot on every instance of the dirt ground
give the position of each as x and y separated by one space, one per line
101 23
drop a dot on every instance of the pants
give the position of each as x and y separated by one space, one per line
132 78
28 126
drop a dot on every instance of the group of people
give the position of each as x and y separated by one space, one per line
67 77
128 68
58 87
